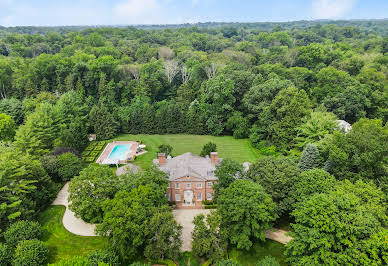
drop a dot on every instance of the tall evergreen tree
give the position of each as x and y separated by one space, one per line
310 158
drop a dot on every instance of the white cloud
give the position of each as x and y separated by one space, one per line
330 9
136 8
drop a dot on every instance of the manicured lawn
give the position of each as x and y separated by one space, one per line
258 252
62 243
240 150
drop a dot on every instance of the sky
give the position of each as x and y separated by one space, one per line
130 12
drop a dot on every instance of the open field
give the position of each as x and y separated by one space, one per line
240 150
62 243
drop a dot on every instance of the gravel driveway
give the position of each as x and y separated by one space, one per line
185 218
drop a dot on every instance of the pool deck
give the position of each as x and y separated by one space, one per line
108 149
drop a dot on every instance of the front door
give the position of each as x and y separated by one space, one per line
188 197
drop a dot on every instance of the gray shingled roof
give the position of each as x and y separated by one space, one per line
189 164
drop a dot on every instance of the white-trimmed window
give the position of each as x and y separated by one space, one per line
209 184
199 196
209 196
199 185
177 185
177 197
188 185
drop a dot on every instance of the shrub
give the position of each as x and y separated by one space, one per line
90 159
5 255
50 165
107 256
98 147
227 263
61 150
89 148
137 263
69 166
85 153
208 148
31 252
212 206
22 230
268 261
94 153
165 148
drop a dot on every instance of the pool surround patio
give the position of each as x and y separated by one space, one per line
102 159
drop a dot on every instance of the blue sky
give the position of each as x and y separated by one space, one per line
124 12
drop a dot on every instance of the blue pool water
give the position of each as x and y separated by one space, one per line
120 151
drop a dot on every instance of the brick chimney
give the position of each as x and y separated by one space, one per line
161 158
214 158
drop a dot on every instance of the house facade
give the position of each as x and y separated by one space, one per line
191 178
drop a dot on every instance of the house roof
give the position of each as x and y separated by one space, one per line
188 164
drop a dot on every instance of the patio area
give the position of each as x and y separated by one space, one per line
104 156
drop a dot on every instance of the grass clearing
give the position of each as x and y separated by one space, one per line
62 243
240 150
259 251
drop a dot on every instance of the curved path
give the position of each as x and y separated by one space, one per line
184 217
70 222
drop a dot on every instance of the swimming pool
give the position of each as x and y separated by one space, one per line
120 152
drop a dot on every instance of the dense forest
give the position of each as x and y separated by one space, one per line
282 85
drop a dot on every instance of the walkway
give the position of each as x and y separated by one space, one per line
278 235
70 222
185 218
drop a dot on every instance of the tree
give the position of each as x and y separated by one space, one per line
25 187
171 70
103 122
208 240
310 158
88 191
312 181
22 230
361 154
31 252
14 108
69 166
50 165
219 100
75 135
7 128
126 219
38 135
227 172
315 128
340 227
165 148
163 236
277 176
208 148
238 124
246 212
288 108
268 261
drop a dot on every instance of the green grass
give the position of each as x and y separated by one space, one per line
188 258
62 243
240 150
258 252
